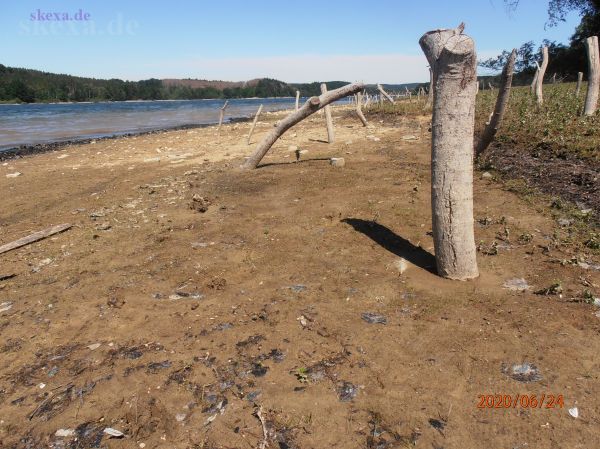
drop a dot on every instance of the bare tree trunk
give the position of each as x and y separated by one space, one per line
591 99
312 105
539 93
451 54
328 119
359 111
222 115
579 80
501 102
254 122
297 99
535 78
384 94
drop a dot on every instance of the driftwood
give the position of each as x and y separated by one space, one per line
297 99
451 54
385 94
34 237
312 105
501 102
579 80
359 111
222 115
328 119
254 122
591 99
539 93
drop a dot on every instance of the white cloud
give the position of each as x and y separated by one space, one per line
387 68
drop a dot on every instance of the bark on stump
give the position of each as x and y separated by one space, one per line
539 93
452 58
591 99
501 102
312 105
330 132
260 108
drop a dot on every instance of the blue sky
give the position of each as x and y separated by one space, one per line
295 41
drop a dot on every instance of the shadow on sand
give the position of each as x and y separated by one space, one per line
394 243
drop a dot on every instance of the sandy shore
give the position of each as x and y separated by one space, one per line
189 295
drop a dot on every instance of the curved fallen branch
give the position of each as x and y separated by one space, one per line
385 94
359 111
311 106
504 92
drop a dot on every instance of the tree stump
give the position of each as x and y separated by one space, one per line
591 99
539 93
328 119
451 55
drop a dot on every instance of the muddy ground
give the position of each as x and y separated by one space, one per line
194 305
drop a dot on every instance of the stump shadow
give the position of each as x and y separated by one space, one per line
272 164
395 244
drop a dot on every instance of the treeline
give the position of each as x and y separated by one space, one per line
28 86
564 60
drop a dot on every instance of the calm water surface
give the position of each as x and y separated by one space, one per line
29 124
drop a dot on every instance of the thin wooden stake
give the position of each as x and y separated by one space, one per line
222 115
330 132
254 122
297 99
359 111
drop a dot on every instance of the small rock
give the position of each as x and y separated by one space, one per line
298 288
14 175
337 161
199 203
401 265
94 346
517 284
564 222
574 412
5 306
374 318
103 226
302 320
114 432
487 175
410 137
62 156
347 392
180 417
524 372
63 433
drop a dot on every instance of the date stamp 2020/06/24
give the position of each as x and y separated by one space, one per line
503 401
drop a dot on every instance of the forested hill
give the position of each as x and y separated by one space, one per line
26 85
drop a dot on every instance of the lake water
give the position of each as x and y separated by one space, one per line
30 124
